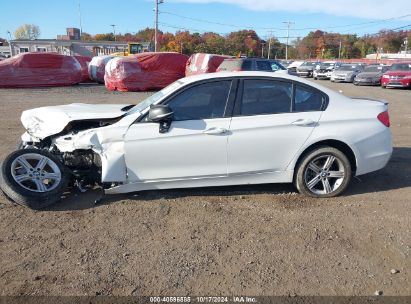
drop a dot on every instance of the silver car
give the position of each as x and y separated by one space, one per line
371 75
346 72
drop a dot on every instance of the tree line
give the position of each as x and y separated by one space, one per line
317 44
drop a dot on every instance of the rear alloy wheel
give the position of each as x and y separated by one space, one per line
33 178
324 172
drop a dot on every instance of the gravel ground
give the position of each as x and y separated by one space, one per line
248 240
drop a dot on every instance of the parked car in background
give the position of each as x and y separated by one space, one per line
247 64
276 65
307 69
215 129
371 75
324 70
398 76
346 72
292 68
286 63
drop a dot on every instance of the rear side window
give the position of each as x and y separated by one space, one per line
307 99
204 101
265 97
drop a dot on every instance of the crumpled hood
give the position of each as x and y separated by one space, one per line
46 121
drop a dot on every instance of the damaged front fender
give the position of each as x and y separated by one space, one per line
107 142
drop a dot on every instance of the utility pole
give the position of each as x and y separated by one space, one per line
262 49
406 46
114 31
339 50
10 46
156 24
79 16
269 44
288 37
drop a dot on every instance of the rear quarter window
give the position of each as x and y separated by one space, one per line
308 99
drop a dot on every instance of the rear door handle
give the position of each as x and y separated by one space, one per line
215 131
303 122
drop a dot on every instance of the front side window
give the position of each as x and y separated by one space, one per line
265 97
204 101
307 100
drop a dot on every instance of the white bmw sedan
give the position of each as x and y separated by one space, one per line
208 130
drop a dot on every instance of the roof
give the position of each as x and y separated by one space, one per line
274 75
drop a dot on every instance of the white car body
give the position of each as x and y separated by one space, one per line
214 152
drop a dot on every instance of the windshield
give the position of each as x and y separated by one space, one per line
347 68
401 67
375 68
156 97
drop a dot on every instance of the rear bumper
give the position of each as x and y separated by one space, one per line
374 152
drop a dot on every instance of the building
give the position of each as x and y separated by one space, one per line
400 55
70 44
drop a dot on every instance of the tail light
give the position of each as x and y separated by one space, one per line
384 118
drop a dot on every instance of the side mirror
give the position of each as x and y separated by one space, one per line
163 115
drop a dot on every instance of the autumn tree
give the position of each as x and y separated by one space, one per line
27 31
86 36
147 34
104 37
243 41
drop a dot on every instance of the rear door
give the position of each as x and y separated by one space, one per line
271 121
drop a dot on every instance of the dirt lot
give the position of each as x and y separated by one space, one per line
254 240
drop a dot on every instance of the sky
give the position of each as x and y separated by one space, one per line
222 16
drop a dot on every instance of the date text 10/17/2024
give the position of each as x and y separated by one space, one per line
234 299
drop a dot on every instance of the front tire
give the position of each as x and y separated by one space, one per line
33 178
324 172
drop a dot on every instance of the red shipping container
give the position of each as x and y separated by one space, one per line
97 66
84 62
145 71
201 63
39 70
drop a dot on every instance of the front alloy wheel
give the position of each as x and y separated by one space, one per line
33 178
324 172
35 172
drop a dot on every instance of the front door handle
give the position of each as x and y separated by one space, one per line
303 122
215 131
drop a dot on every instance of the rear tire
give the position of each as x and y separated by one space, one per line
33 178
323 172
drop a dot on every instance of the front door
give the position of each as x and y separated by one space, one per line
195 145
